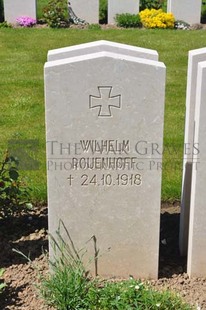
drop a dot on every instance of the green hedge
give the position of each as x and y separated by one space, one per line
1 11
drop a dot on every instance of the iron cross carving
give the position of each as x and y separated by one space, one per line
105 101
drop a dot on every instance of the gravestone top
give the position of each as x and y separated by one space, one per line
104 54
98 46
101 181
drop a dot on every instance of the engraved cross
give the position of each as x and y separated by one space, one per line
105 101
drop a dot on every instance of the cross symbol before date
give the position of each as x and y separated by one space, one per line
105 101
70 179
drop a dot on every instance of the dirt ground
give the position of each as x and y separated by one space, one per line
28 234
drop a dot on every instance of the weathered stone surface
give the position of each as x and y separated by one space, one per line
121 6
17 8
196 266
101 46
104 122
194 57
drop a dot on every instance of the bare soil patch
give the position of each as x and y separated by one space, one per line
28 234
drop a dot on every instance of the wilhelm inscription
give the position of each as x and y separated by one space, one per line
105 146
104 155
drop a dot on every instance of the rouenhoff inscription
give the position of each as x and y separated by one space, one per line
105 101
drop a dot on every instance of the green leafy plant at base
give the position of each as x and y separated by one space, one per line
127 20
69 287
56 14
203 15
132 295
151 4
68 284
94 27
14 194
103 5
5 25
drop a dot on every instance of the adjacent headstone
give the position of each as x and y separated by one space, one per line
196 266
190 148
87 10
99 46
121 6
104 121
17 8
187 10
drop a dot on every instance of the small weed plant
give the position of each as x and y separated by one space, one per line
56 14
5 25
128 20
68 284
94 27
157 19
14 193
69 287
180 24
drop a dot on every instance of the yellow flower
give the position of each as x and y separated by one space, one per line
156 19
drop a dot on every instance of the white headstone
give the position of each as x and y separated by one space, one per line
99 46
196 266
87 10
194 57
187 10
121 6
103 113
18 8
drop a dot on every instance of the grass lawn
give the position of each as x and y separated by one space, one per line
23 54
